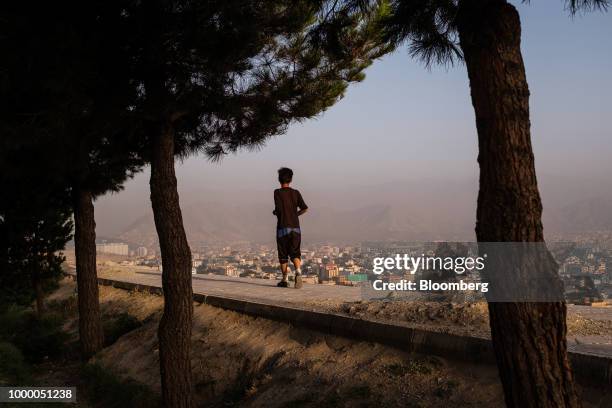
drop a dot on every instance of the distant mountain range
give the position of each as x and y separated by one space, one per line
208 222
222 222
594 214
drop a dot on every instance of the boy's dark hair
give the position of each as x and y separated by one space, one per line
285 175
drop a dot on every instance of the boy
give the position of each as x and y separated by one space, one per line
288 206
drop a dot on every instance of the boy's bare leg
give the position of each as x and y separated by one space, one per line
284 270
297 262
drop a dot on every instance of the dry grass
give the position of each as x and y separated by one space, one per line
244 361
458 318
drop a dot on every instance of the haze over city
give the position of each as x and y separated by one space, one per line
396 158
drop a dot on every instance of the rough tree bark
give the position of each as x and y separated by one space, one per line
91 336
529 338
175 326
38 291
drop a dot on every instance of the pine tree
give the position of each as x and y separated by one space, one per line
529 338
65 88
216 76
34 228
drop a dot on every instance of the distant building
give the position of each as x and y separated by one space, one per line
329 271
114 248
358 277
353 269
581 290
341 280
573 269
231 270
141 252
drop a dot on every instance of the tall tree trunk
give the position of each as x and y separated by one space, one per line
90 327
38 291
529 338
175 325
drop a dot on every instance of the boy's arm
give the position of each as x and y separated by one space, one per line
301 205
276 206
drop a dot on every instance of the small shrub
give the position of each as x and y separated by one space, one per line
359 392
41 338
239 389
446 389
420 367
397 369
305 400
11 319
13 369
118 326
412 367
332 399
64 307
38 338
106 389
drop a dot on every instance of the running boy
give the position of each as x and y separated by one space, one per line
288 206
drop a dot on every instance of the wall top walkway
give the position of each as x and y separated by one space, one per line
260 297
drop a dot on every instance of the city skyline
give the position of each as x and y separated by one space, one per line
585 265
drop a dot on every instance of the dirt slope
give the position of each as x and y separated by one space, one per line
251 362
244 361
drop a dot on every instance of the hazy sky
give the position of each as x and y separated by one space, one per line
407 123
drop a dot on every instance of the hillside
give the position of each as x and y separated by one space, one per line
218 222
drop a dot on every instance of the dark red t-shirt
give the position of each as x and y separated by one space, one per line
287 202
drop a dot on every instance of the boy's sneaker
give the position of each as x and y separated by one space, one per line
282 284
298 281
